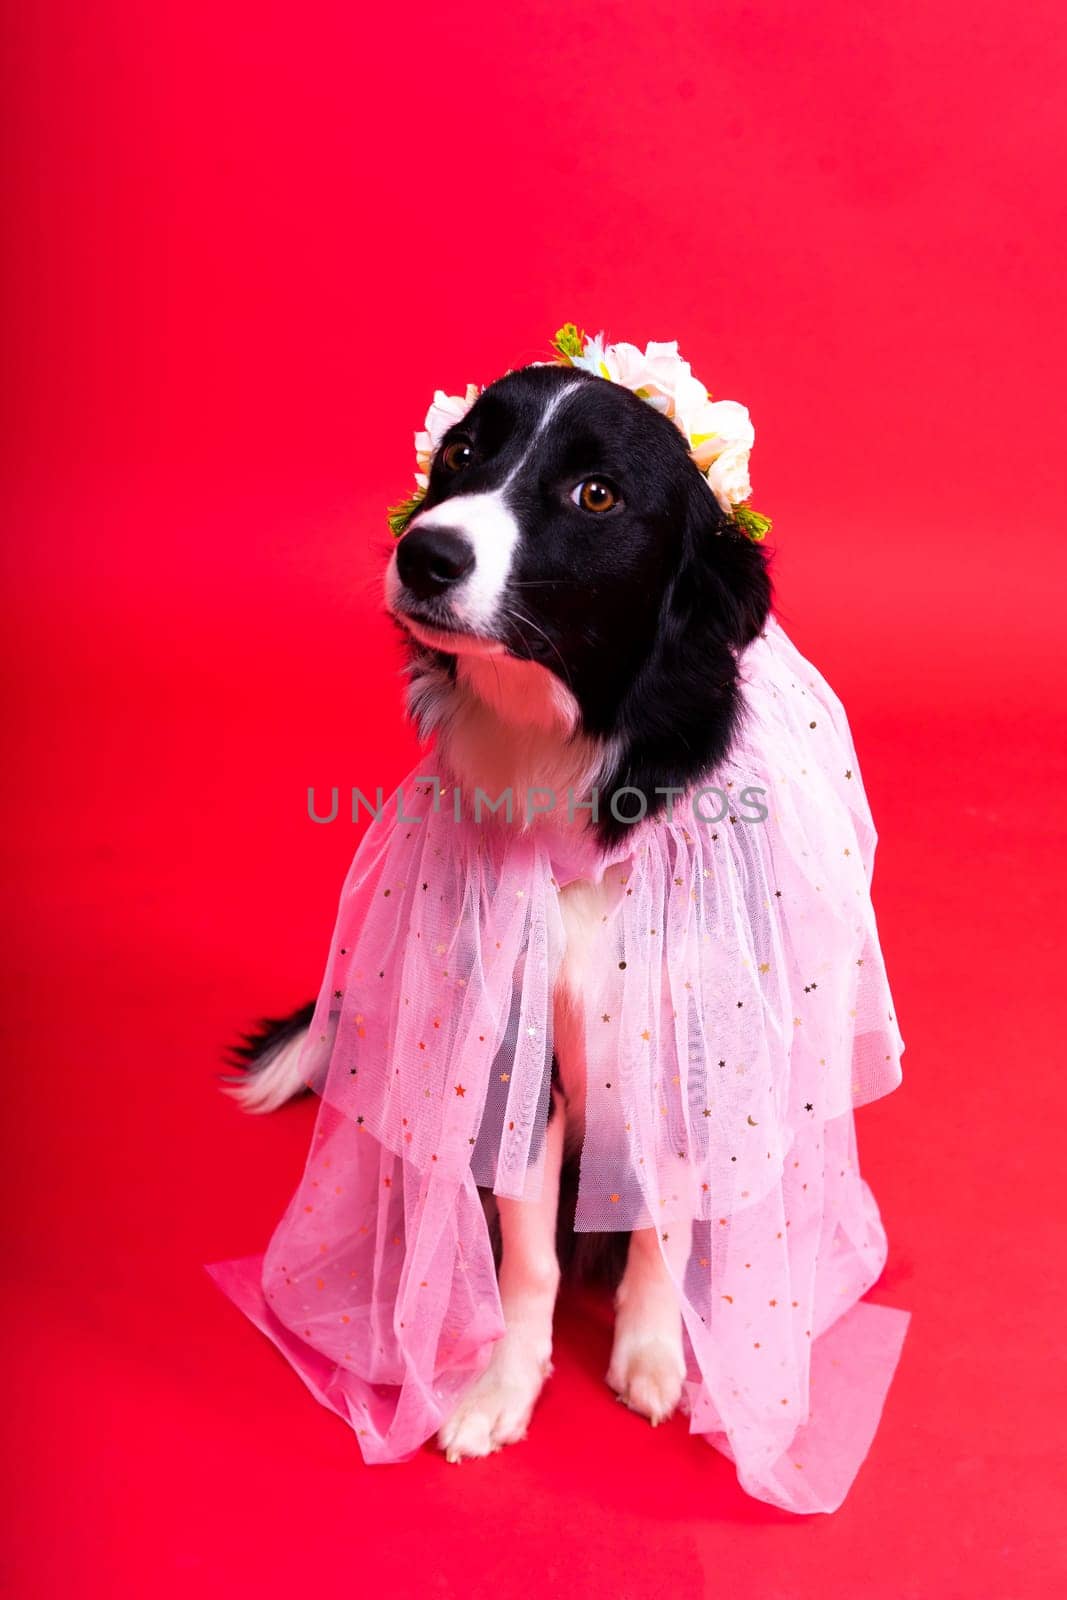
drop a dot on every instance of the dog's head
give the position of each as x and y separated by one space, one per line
565 524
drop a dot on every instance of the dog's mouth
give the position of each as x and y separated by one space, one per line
453 641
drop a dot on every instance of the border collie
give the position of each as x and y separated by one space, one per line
574 603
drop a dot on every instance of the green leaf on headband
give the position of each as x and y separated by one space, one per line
569 342
751 523
400 515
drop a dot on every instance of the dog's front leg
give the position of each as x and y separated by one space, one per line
496 1408
647 1359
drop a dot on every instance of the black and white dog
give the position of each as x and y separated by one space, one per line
574 601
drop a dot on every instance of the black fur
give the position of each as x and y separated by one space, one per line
257 1049
640 610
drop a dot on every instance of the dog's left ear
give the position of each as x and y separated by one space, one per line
728 566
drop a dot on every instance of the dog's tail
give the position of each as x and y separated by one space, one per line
268 1060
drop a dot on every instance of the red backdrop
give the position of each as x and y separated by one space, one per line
244 248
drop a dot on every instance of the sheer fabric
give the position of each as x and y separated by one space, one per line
737 1011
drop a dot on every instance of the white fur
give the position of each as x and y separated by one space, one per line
488 524
505 723
496 1409
647 1362
647 1366
521 693
270 1086
487 521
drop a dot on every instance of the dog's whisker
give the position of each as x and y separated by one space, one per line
522 619
542 583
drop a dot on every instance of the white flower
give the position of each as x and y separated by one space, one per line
715 426
719 433
657 373
630 366
691 404
728 476
444 413
654 373
595 358
665 376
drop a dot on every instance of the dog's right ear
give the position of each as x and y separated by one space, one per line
728 566
680 715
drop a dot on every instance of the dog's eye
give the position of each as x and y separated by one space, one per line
457 455
594 495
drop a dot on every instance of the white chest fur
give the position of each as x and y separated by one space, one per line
505 723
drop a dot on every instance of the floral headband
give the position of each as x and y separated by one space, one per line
719 433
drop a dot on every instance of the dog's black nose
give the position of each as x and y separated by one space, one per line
430 560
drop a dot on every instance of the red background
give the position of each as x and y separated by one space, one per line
244 248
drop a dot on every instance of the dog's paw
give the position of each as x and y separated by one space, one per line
647 1373
497 1407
